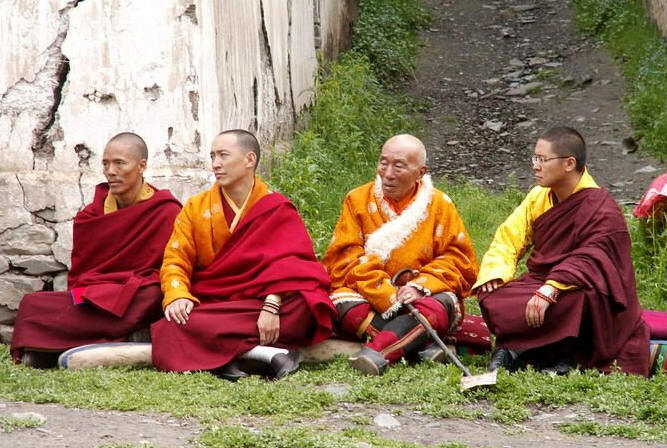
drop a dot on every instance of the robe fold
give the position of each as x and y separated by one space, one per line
582 241
114 280
269 252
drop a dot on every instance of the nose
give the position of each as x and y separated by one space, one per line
215 162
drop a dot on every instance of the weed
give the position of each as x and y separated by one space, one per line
547 74
11 423
629 431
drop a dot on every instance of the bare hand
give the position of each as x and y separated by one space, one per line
408 294
268 325
179 311
490 286
535 310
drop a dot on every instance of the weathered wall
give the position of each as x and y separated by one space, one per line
657 10
74 73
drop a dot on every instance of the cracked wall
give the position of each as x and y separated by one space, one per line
657 10
177 72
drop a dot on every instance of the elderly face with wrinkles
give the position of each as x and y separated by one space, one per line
402 164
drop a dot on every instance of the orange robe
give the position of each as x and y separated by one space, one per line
372 242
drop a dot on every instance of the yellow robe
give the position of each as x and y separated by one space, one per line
111 204
515 235
199 233
371 243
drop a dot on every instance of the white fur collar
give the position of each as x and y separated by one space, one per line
395 232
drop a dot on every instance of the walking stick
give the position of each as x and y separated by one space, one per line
468 380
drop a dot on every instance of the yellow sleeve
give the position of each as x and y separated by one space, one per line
179 259
509 244
560 286
454 267
349 267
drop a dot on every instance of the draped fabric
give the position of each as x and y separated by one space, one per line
582 241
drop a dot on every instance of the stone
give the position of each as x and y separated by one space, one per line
386 421
515 62
523 8
60 282
491 81
524 89
39 195
34 416
12 289
6 333
337 390
11 202
327 349
646 170
62 247
525 124
36 264
33 239
4 265
494 125
537 61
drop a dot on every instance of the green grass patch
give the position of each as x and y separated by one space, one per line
10 423
642 50
387 33
629 431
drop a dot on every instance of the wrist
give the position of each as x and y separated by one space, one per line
548 293
272 304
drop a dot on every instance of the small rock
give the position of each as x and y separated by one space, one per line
494 125
646 170
537 61
618 184
553 64
523 8
491 81
524 90
453 142
6 332
524 124
386 421
60 282
29 416
609 143
505 150
514 62
579 118
596 110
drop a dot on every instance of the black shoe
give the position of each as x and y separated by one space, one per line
501 357
368 361
231 372
562 367
40 360
285 364
433 353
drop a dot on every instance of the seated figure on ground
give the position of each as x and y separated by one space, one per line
398 222
240 279
577 304
114 284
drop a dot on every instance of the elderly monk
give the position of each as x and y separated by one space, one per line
240 278
398 222
114 285
577 303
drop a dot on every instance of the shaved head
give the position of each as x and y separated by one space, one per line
409 144
132 141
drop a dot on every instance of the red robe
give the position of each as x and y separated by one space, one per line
114 276
582 241
269 252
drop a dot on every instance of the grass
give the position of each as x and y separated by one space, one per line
642 50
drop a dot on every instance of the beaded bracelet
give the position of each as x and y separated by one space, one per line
549 299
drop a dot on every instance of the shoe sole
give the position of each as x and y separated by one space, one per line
364 365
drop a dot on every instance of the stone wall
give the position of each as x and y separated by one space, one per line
74 73
657 10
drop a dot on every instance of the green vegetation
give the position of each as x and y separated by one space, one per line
629 431
635 41
11 423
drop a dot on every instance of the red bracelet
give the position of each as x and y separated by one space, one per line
549 299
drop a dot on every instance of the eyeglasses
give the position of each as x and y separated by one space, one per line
539 160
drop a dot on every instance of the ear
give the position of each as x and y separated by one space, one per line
252 159
142 166
423 170
570 164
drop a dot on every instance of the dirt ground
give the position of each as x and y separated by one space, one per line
476 76
495 74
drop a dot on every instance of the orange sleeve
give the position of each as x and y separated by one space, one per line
179 259
349 267
454 267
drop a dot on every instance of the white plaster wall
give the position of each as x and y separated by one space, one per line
74 73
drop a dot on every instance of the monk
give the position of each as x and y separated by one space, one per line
240 278
398 226
577 304
114 287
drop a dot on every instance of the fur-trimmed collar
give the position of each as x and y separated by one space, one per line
395 232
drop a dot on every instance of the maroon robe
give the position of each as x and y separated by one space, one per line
115 277
269 252
581 241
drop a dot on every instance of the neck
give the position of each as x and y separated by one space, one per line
565 189
239 192
129 198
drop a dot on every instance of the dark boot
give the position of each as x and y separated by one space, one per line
231 372
368 361
562 367
40 360
286 364
501 357
433 353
